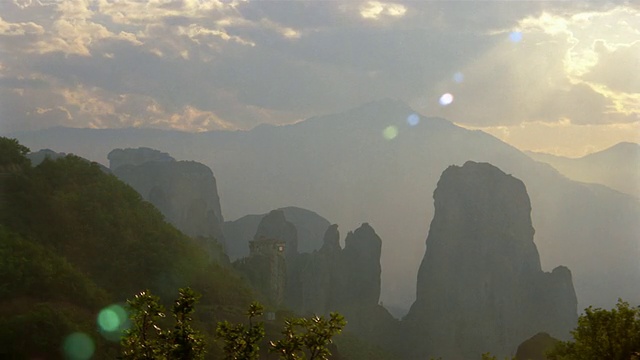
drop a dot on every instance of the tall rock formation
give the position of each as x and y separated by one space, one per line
360 267
318 275
309 225
480 285
275 226
184 191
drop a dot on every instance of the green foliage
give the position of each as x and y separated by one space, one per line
28 269
603 334
144 339
74 240
242 342
147 340
35 331
310 337
186 343
12 152
102 227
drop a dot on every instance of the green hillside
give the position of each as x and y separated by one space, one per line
74 240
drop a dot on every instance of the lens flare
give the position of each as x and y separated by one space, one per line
515 36
390 132
111 321
446 99
78 346
458 77
413 119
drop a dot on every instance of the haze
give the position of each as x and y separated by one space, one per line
555 77
372 101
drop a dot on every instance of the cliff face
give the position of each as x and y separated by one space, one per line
184 191
336 279
360 265
480 285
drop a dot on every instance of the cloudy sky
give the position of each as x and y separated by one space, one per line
559 77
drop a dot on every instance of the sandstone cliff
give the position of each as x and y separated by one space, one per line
184 191
480 285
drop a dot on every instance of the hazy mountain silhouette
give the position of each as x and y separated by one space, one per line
342 166
480 284
617 167
309 225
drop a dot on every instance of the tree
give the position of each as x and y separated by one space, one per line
184 341
143 341
12 152
308 336
303 338
146 340
603 334
241 342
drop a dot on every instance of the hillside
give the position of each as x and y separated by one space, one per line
617 167
74 240
342 166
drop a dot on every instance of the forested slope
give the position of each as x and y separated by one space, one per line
74 240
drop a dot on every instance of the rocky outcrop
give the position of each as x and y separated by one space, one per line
319 277
336 279
275 226
536 347
37 157
184 191
348 281
139 156
480 285
309 225
360 267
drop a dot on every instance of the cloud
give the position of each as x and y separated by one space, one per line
198 65
561 69
564 138
375 10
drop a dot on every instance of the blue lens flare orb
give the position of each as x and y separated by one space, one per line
458 77
515 36
413 119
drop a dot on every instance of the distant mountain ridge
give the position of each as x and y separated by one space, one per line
343 166
617 167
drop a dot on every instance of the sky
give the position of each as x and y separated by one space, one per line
559 77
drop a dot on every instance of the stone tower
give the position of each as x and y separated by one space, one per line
273 251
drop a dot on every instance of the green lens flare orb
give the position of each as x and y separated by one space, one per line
111 318
78 346
390 132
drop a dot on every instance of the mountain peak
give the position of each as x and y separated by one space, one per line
382 106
